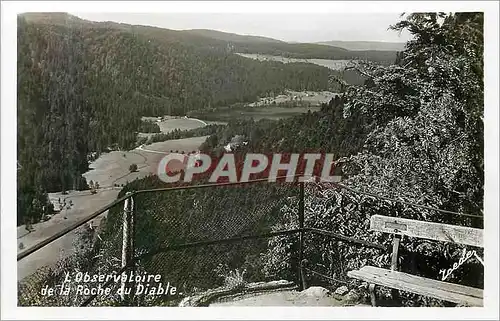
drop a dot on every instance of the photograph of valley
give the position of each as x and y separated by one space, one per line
103 98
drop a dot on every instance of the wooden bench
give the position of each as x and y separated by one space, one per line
395 280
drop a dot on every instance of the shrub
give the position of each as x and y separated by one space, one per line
233 279
133 168
93 187
81 184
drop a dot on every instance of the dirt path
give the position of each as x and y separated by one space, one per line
84 204
142 149
281 298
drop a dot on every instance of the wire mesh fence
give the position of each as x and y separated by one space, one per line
165 222
193 239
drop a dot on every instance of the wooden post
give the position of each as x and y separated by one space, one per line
395 249
126 241
394 261
132 245
302 281
373 297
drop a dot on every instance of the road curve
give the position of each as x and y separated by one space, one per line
141 148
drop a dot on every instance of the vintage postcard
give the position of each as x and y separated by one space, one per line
302 156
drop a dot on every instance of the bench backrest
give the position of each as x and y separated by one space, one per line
427 230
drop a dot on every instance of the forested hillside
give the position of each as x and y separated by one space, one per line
231 37
223 41
415 129
82 87
269 46
366 45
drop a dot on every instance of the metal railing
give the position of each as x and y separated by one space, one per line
131 253
129 195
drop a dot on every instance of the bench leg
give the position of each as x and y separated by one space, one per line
371 289
395 295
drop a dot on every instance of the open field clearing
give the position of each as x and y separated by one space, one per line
181 124
171 123
277 107
185 145
299 97
331 64
110 170
257 113
84 204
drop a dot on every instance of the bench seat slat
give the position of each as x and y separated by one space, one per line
423 286
446 286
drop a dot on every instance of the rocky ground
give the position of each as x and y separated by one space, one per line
313 296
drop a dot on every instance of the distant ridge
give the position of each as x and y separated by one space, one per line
216 41
226 36
366 45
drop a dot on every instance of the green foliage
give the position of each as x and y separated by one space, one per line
307 50
93 186
179 134
148 127
233 279
325 130
424 145
34 203
427 111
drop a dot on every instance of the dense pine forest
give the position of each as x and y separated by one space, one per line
83 86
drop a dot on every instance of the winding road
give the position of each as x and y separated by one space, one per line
109 169
142 149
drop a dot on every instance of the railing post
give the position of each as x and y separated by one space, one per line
394 261
127 244
302 281
132 243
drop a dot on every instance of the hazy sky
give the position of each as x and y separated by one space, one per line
307 27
